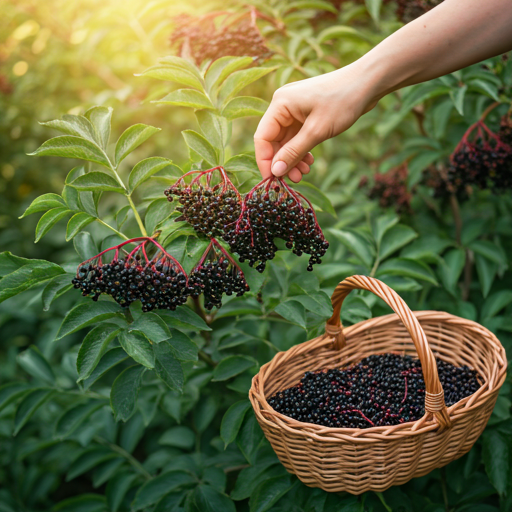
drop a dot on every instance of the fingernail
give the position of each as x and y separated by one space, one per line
279 168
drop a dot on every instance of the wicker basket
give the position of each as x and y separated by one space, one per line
374 459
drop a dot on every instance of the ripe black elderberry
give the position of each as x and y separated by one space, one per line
158 282
215 274
273 210
381 390
505 133
391 189
209 208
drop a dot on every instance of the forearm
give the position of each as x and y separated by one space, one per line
453 35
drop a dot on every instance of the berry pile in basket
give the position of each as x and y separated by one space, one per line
381 390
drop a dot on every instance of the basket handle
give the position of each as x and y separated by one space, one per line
434 394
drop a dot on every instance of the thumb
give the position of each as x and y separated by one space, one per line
288 156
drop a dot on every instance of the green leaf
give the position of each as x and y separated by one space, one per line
74 416
486 271
419 163
77 223
183 318
93 347
29 274
85 245
373 7
484 87
355 309
316 196
250 478
48 220
117 488
29 405
153 490
209 499
152 327
69 146
131 139
244 163
157 212
341 32
292 311
244 106
82 503
489 250
215 128
43 203
101 117
181 63
97 181
231 366
88 460
249 438
407 268
382 224
124 392
182 346
138 347
36 365
146 168
87 313
79 126
495 303
458 98
223 67
269 492
318 303
394 239
232 421
167 367
111 358
496 459
58 286
451 268
11 391
310 4
179 437
204 412
174 74
356 243
241 79
186 98
201 146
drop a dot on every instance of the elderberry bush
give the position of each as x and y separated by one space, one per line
273 210
381 390
211 210
159 282
216 274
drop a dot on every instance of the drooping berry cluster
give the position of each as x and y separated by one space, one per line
481 159
391 190
210 208
505 132
408 10
273 210
158 282
381 390
216 274
218 35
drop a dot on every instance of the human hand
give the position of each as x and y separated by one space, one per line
303 114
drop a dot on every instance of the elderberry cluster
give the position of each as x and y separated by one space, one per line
381 390
505 132
210 212
391 190
216 277
270 212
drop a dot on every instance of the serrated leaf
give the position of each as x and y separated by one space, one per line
215 128
29 405
93 347
241 79
87 313
318 303
201 146
183 318
29 274
69 146
315 196
101 117
111 358
138 347
84 245
157 212
186 98
244 163
74 416
131 139
232 421
36 365
223 67
356 243
77 223
156 488
244 106
407 268
152 326
97 181
292 311
167 367
174 74
124 392
48 220
183 347
268 493
79 126
146 168
209 499
44 203
395 239
232 366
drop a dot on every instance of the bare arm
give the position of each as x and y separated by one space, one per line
453 35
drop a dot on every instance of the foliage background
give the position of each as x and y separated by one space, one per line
60 446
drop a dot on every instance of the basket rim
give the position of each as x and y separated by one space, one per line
373 434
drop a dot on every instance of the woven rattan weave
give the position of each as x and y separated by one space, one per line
359 460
